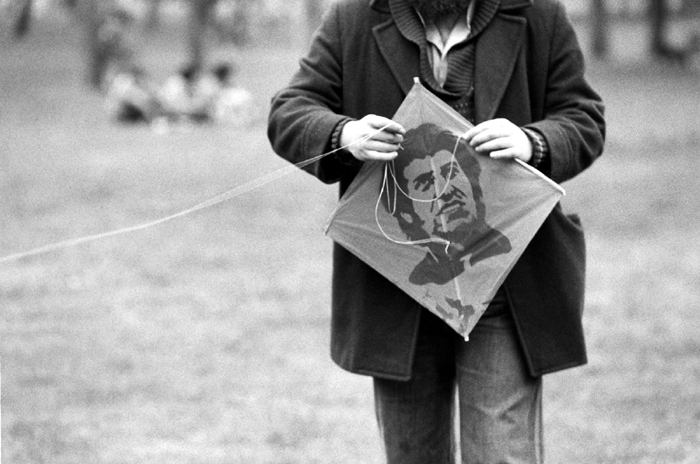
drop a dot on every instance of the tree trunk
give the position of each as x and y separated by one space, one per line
658 19
314 12
601 36
197 29
153 14
88 13
25 17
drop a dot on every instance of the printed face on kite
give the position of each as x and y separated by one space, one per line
440 201
441 194
440 181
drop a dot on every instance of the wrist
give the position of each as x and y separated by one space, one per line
540 148
337 134
338 145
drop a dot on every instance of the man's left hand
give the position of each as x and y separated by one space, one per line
500 139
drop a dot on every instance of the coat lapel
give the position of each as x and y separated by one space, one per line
496 54
402 56
497 51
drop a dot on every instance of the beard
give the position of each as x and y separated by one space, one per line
433 9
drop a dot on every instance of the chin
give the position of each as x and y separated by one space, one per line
457 228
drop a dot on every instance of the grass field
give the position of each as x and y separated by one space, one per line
205 339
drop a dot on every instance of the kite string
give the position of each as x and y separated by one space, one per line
391 206
225 196
392 209
447 184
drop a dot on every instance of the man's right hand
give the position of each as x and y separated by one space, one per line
372 138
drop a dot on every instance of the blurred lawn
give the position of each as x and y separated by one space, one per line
204 340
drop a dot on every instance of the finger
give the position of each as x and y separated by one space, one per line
380 156
488 137
500 143
387 137
499 125
488 132
378 146
474 131
503 154
385 124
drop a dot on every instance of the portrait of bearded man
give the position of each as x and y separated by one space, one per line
440 204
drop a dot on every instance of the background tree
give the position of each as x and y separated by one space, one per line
23 20
88 14
199 19
313 11
658 20
660 16
600 23
153 14
230 22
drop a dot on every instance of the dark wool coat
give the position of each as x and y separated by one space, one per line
529 69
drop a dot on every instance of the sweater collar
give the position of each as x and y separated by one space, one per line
411 26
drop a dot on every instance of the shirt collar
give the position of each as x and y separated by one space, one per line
459 33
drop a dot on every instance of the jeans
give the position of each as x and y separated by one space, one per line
499 403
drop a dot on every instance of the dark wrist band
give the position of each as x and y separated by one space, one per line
337 132
341 154
540 149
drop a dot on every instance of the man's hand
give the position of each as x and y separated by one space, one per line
500 138
380 146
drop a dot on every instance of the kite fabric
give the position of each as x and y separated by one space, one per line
442 222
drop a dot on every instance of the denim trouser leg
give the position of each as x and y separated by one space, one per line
500 404
416 417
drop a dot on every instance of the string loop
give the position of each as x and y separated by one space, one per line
390 168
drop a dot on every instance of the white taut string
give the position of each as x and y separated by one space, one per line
228 195
391 205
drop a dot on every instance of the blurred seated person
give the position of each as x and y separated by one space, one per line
208 96
131 97
114 45
233 103
186 96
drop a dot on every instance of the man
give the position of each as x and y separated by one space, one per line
514 68
438 199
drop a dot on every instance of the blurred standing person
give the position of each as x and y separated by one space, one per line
515 69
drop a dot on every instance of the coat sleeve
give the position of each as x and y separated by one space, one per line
305 113
573 123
